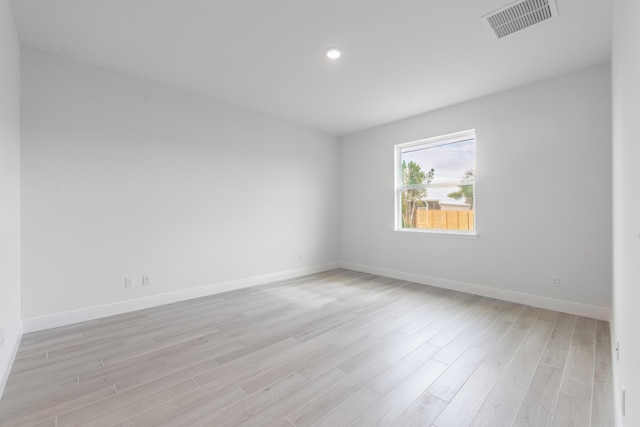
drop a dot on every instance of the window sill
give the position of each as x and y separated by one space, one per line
437 233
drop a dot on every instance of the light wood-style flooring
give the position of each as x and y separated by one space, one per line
339 348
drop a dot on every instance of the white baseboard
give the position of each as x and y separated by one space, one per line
6 370
92 313
594 312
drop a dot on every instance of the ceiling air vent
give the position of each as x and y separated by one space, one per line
519 15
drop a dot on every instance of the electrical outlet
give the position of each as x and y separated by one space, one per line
555 281
146 280
128 282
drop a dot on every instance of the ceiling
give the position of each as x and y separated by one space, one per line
401 58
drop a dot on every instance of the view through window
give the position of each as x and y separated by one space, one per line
435 184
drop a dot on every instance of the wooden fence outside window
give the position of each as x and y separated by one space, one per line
444 220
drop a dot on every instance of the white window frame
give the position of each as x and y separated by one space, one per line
434 141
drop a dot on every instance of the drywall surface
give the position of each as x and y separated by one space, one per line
626 206
122 177
10 317
543 193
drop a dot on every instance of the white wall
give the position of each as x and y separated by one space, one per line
626 204
122 177
9 189
543 196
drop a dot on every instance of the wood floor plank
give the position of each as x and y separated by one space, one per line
216 394
34 416
18 405
347 412
571 411
457 374
370 353
149 374
513 312
558 347
334 359
272 375
47 423
488 339
403 369
500 356
602 413
201 410
464 407
495 412
157 392
579 370
42 366
397 352
292 401
124 411
466 337
422 412
453 329
300 351
324 402
548 315
41 382
516 378
114 401
390 407
247 407
114 373
452 306
540 401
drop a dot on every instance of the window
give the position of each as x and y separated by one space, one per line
435 184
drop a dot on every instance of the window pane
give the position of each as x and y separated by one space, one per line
439 208
440 173
450 161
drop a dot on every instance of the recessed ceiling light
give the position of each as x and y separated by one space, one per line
333 53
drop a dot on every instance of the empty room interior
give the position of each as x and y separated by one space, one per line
327 213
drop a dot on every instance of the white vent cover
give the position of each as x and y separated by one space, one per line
519 15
